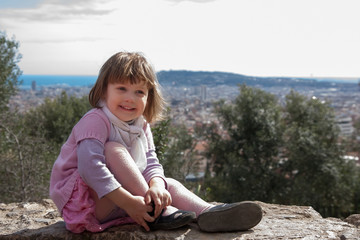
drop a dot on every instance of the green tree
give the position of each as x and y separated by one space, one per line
56 117
175 149
286 154
160 133
318 176
30 143
180 156
356 189
9 69
25 161
351 144
245 152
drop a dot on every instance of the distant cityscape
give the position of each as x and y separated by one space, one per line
190 95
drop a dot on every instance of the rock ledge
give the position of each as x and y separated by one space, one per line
42 221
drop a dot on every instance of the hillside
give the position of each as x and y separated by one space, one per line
196 78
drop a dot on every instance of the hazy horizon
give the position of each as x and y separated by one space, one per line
334 79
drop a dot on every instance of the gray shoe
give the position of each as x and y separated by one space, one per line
239 216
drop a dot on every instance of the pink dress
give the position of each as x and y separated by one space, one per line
68 190
79 212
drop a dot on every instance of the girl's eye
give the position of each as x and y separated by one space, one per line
140 92
121 88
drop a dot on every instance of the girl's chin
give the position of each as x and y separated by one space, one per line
125 118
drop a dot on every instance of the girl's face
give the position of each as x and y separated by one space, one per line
125 100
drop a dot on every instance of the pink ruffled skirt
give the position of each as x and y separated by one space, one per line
79 212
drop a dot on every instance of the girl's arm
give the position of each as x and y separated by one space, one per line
92 167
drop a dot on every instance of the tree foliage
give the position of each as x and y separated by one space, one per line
25 161
9 69
30 143
317 173
175 149
285 154
56 117
244 157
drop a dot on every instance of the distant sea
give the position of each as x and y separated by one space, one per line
56 80
81 81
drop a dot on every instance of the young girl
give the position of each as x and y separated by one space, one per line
108 174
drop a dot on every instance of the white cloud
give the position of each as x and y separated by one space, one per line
254 37
55 10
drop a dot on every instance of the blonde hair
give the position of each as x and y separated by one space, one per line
132 68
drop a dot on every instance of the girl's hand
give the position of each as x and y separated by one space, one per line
135 206
138 210
158 194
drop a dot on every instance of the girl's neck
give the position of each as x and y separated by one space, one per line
131 122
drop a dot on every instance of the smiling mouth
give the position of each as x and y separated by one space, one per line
127 108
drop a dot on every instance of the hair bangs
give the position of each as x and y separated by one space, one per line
134 69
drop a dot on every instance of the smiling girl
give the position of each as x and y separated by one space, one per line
107 172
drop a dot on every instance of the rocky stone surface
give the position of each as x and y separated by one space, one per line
354 219
42 221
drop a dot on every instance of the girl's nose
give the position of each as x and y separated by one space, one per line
129 97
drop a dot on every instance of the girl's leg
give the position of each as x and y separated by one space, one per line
121 164
225 217
184 199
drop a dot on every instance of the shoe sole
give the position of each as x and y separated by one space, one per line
235 217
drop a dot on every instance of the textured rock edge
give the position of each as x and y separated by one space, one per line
42 221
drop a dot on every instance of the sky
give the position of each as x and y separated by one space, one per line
296 38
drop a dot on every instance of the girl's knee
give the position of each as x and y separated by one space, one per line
115 153
114 148
172 183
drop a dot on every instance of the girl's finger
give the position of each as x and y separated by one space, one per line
149 208
164 203
147 198
157 200
157 210
144 224
167 200
148 218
